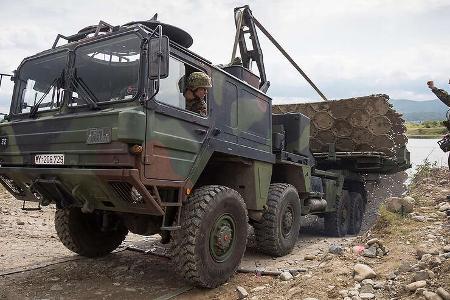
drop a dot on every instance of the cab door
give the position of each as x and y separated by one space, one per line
174 136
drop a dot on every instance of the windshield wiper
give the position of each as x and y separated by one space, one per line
89 96
35 107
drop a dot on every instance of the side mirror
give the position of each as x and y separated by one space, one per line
158 58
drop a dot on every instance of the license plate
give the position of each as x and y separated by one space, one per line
49 159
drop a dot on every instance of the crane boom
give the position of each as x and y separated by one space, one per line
246 23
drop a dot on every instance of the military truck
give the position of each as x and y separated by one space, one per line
98 126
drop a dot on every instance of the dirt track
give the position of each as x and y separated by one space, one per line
28 239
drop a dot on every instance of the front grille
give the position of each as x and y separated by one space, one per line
11 186
127 192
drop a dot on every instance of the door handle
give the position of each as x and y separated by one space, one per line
200 131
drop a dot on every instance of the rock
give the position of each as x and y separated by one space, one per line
19 222
421 275
408 204
400 205
420 291
378 285
422 249
242 293
431 296
373 241
363 272
443 293
444 207
380 252
367 296
434 261
336 249
258 288
56 287
285 276
343 293
415 285
419 218
370 252
368 281
367 288
393 204
446 248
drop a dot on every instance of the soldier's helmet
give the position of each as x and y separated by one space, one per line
197 80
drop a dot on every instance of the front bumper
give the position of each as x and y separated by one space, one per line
107 189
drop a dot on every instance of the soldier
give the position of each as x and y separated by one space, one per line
445 98
196 90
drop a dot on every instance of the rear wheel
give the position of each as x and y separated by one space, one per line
89 234
356 214
209 247
337 222
276 233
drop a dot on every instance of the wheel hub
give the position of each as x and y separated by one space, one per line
288 221
222 238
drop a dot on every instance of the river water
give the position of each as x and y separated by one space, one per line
426 149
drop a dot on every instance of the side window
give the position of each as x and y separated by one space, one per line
169 89
172 88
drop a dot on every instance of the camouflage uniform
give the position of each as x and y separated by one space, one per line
197 105
442 95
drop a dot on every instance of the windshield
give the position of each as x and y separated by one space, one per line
40 81
107 71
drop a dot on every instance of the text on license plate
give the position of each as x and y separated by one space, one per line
49 159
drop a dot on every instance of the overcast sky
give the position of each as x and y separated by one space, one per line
347 47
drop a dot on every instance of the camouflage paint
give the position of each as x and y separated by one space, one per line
178 145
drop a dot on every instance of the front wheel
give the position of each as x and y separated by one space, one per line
208 248
277 232
89 234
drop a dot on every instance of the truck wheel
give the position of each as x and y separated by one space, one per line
209 247
83 234
277 232
337 222
356 213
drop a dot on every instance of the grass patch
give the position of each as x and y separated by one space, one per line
426 128
389 223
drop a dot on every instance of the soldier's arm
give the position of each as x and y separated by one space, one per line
442 95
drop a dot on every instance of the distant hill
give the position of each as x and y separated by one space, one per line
416 111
